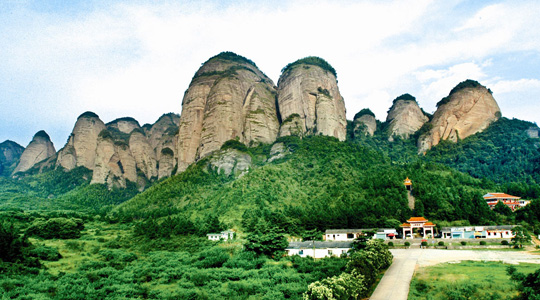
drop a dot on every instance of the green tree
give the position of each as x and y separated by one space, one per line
266 239
528 285
502 209
11 245
521 236
343 287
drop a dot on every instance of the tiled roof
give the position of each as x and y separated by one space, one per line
417 219
429 224
499 196
334 231
318 245
405 225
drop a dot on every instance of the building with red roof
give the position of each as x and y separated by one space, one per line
513 202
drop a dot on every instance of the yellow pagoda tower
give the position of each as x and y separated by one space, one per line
408 184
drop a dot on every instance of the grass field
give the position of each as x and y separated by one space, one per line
466 280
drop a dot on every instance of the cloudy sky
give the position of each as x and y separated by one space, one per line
136 58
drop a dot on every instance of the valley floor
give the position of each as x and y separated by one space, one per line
397 279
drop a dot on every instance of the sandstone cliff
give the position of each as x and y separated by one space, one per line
39 149
163 134
309 101
228 98
80 149
143 153
405 117
468 109
10 152
364 123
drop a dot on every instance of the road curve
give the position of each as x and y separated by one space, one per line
396 281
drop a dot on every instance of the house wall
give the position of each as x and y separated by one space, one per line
319 253
340 237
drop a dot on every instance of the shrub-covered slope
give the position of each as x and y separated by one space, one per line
322 183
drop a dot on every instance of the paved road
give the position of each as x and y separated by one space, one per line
397 279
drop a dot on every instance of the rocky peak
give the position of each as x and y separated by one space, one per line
405 117
228 98
124 125
468 109
39 149
10 152
309 100
364 123
80 149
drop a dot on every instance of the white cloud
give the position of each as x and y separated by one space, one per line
137 59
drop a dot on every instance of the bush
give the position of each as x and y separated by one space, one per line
424 244
407 244
441 243
390 244
482 243
60 228
463 243
46 253
505 243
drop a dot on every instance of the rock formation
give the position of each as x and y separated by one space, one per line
39 149
231 161
107 166
10 152
144 154
468 109
228 98
364 123
80 149
405 117
123 125
309 101
163 134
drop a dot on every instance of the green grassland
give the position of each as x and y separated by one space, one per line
466 280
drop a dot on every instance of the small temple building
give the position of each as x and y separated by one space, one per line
513 202
408 184
417 223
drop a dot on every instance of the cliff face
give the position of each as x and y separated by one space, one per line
119 149
309 100
405 117
468 109
143 153
39 149
10 152
364 123
80 149
228 98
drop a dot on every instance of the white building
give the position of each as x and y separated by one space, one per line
478 232
318 249
344 234
224 235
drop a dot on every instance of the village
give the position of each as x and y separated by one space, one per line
417 232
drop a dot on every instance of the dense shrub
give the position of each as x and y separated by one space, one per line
407 244
505 243
46 253
483 243
390 244
441 243
463 243
60 228
424 244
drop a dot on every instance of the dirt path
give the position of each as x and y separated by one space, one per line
396 281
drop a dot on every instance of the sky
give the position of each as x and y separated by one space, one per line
60 58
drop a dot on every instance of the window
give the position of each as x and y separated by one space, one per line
329 252
301 252
343 251
350 236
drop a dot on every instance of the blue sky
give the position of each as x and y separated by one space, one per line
136 58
